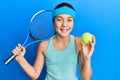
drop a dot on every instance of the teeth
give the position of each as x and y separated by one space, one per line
64 30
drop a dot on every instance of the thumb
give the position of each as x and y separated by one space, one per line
21 48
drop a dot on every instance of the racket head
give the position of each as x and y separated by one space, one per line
41 26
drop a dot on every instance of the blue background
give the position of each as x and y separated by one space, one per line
100 17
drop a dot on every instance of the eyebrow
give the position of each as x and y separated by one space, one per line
70 17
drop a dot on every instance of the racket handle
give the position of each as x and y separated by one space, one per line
9 59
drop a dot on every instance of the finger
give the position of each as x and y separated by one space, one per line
83 44
19 46
91 52
22 48
91 49
84 47
90 44
93 39
18 50
15 52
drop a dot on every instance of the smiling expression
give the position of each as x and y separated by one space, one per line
63 24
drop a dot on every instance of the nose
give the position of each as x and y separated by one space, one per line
64 24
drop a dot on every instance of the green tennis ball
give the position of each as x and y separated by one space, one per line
86 37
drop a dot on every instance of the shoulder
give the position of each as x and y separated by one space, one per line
77 41
44 43
43 46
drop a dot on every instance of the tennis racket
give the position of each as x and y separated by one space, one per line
40 29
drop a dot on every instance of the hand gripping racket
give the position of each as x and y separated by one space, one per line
40 29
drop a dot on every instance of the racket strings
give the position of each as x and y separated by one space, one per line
41 26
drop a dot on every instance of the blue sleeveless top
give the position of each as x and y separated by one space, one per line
61 64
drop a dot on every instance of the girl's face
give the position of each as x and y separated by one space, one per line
63 24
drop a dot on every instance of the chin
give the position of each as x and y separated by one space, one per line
65 34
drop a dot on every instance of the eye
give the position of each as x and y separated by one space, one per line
70 20
59 19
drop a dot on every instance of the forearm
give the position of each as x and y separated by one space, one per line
86 71
30 70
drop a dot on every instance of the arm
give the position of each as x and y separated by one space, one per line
85 68
85 59
32 71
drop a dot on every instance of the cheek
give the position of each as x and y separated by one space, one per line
57 25
71 25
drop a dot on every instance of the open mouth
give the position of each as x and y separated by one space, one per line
64 30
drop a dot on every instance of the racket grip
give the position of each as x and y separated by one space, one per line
9 59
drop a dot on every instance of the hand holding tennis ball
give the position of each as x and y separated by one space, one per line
86 37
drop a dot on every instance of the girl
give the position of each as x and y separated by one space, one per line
62 52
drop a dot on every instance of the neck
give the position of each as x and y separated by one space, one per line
61 39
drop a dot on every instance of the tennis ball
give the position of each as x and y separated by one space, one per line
86 37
